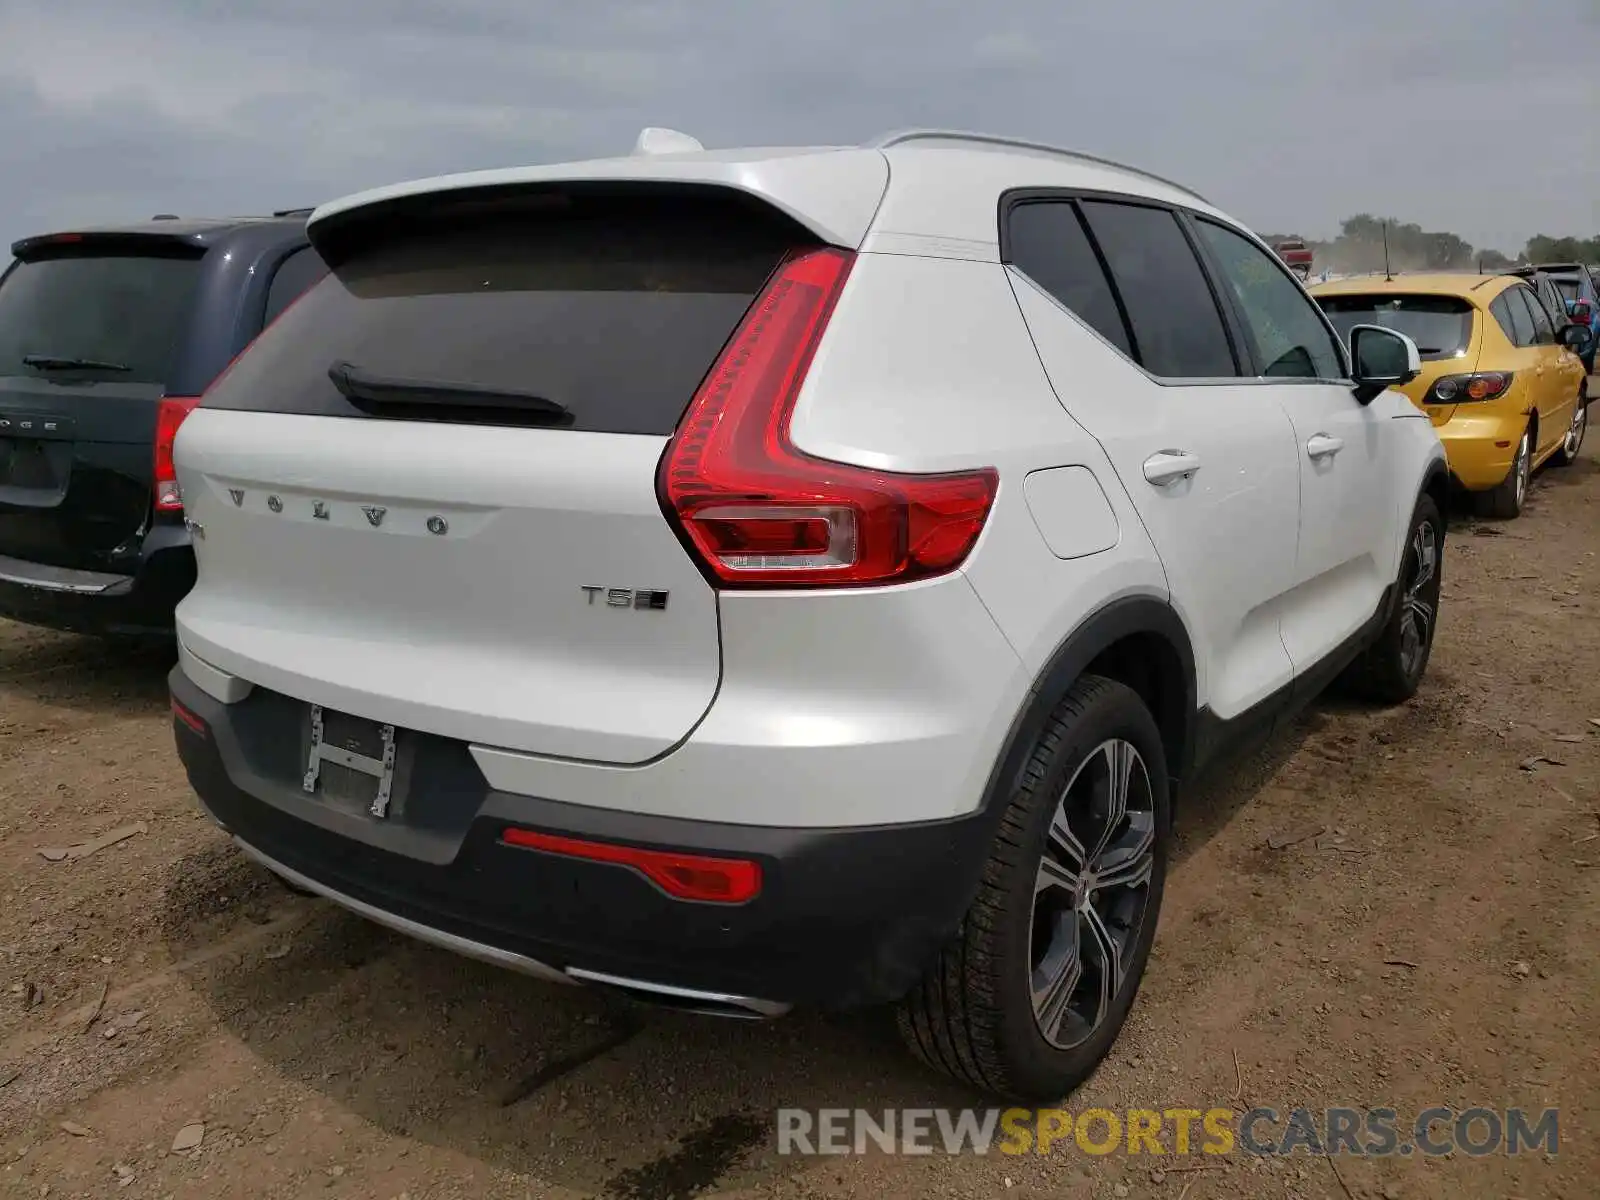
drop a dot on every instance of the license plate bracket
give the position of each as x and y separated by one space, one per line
357 751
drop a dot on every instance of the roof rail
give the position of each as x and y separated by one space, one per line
904 136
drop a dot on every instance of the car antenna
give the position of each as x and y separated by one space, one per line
1388 275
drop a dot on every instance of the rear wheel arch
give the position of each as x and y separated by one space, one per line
1139 641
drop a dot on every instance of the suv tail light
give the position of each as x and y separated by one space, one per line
1460 389
755 511
168 417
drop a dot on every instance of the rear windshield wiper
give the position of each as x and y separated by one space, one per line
358 385
56 362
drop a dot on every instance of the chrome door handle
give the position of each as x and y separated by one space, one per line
1322 445
1168 466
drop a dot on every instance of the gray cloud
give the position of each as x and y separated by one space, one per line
1470 115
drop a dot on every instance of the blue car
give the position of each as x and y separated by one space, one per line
1580 291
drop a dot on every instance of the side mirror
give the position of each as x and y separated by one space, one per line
1577 338
1381 359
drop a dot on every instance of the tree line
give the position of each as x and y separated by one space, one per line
1360 247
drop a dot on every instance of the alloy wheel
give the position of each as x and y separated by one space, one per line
1091 893
1421 606
1524 453
1580 425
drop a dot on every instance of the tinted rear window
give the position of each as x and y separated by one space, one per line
1047 241
614 308
1177 327
1569 287
125 309
1441 326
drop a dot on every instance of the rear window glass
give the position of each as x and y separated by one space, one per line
124 312
1177 327
614 309
1441 326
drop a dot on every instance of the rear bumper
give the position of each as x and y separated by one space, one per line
1480 445
845 917
137 605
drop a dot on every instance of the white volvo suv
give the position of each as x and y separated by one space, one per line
759 578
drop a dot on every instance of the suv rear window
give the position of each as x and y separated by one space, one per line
1441 326
123 309
612 307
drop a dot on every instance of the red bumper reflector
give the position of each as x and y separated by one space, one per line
681 876
188 718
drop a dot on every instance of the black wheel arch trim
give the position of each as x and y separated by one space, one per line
1436 483
1122 618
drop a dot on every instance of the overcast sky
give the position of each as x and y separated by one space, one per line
1475 116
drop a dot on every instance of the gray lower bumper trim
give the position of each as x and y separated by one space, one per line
718 1003
423 933
60 579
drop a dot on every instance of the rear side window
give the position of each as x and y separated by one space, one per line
1441 326
293 276
1544 333
1176 325
1501 311
1522 326
120 314
612 307
1047 242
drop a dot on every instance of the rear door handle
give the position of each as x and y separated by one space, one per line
1322 445
1168 466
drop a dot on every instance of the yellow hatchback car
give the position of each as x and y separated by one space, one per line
1501 378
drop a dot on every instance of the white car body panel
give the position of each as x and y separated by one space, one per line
483 633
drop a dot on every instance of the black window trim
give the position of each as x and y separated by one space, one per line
1240 344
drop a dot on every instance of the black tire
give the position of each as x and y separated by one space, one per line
1390 671
1504 502
973 1016
1572 444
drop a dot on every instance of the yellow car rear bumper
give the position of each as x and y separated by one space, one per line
1481 445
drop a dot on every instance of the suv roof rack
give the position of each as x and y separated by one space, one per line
904 136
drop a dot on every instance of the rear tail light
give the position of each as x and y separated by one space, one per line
1460 389
681 876
756 512
168 417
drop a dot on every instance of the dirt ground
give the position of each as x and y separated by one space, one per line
325 1057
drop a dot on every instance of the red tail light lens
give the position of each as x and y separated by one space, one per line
168 417
681 876
757 512
1454 389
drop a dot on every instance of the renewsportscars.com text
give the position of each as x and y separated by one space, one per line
1361 1132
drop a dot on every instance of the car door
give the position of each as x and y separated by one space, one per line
1555 383
1207 458
1348 546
